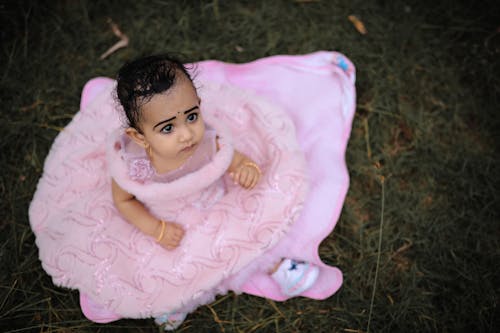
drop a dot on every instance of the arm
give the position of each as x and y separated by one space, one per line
135 213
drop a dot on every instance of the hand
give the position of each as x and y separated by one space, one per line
247 174
172 235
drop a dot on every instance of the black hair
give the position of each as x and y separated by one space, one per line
139 80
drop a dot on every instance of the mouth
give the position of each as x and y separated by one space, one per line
188 148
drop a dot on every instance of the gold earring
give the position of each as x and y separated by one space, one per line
148 151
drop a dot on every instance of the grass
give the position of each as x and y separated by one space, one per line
424 147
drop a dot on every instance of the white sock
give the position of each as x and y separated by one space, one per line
295 277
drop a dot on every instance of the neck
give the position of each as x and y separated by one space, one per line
162 167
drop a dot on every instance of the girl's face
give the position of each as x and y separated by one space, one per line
172 126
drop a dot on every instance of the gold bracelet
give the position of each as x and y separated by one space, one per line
162 232
253 165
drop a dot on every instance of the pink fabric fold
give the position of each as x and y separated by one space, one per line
317 91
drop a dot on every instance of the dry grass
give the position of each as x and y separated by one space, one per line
428 96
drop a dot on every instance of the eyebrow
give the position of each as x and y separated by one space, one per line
170 119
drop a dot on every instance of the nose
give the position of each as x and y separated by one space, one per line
185 134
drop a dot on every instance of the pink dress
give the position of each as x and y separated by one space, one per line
291 114
141 170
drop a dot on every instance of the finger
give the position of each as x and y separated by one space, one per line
176 227
253 179
254 182
236 177
249 180
173 242
173 238
243 178
178 237
170 228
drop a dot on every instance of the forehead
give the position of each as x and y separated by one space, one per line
181 97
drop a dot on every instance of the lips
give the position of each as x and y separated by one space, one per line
188 148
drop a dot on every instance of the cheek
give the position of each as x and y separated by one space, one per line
168 149
202 128
164 143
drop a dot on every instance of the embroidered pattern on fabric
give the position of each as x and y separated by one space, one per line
140 169
94 250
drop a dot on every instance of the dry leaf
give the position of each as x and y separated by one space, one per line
357 24
30 107
123 42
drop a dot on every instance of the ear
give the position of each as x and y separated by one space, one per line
137 137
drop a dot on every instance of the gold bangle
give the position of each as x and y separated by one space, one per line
162 232
253 165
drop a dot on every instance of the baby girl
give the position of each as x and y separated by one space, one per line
169 139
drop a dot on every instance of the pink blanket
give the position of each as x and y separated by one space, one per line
316 91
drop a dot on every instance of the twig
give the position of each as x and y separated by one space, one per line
378 255
12 288
123 42
402 249
216 9
217 319
367 138
52 127
30 107
273 305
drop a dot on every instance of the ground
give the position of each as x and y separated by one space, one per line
418 238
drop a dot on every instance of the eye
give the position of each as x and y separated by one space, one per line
167 129
192 117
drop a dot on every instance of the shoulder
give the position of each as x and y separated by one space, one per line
127 160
